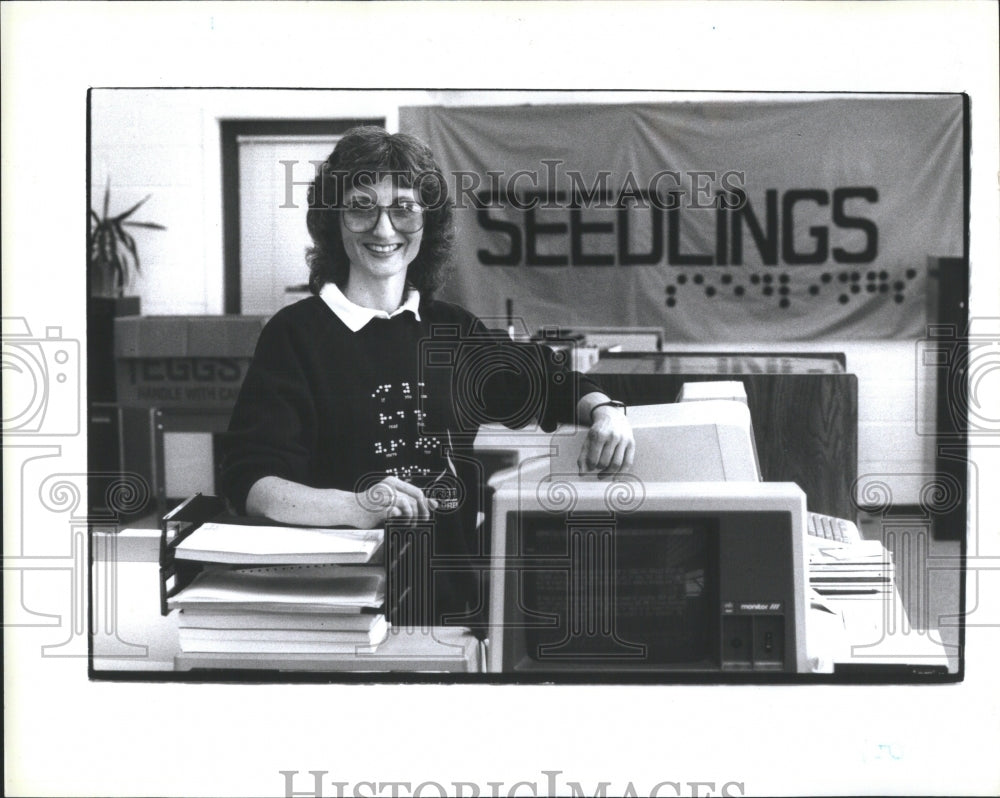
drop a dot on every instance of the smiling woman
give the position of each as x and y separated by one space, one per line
369 167
381 239
359 400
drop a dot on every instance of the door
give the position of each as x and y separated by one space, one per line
267 165
274 175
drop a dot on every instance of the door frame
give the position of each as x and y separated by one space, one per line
230 130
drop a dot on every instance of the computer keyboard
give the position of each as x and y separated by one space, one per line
834 530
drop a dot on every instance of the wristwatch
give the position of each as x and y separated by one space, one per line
609 403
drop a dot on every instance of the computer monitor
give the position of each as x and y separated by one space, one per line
647 579
704 441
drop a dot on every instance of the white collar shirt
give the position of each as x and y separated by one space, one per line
355 317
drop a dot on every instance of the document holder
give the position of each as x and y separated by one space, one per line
405 553
176 525
405 572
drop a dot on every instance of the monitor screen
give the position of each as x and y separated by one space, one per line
640 589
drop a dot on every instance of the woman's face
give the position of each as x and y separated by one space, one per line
382 252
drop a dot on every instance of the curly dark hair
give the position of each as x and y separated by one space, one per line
363 157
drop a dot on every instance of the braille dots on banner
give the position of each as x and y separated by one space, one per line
839 286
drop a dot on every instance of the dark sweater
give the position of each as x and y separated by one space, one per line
330 408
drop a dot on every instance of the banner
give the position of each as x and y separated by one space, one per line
788 218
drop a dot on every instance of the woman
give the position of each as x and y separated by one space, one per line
362 395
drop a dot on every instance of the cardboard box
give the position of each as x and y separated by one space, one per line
171 361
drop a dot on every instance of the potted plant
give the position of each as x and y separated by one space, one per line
112 259
112 254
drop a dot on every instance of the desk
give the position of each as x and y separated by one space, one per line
130 636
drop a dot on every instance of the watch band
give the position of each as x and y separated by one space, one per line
609 403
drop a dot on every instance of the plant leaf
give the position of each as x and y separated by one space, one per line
91 240
118 241
129 243
105 247
93 252
122 216
119 271
150 225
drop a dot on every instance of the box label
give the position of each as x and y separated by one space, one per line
166 382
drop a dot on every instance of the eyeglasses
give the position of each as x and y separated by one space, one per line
405 217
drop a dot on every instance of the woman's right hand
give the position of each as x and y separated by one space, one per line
288 502
394 498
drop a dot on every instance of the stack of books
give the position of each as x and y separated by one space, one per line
281 590
861 568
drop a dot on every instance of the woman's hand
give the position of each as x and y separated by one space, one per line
610 446
394 498
288 502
